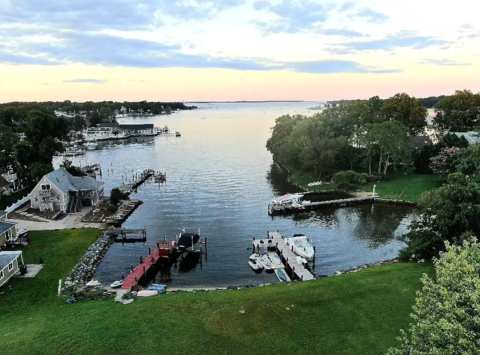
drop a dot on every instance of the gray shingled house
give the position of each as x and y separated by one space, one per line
9 265
61 191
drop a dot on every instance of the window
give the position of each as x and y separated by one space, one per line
1 274
10 266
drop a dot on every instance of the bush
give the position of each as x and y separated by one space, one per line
352 177
116 195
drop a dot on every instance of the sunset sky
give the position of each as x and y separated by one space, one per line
192 50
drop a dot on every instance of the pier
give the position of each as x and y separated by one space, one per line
124 211
275 209
277 242
122 235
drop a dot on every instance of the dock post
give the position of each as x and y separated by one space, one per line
141 259
165 237
144 271
314 254
158 245
123 275
206 250
131 267
201 257
149 251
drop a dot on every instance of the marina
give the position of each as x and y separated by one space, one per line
289 262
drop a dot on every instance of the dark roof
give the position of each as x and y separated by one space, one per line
7 257
65 182
108 124
136 126
420 142
3 213
5 226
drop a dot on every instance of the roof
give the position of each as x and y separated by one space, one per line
65 181
287 198
5 226
108 124
6 257
3 213
471 137
3 182
136 126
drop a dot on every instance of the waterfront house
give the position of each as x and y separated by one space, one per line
8 231
9 265
61 191
139 129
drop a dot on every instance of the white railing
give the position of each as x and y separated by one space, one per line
17 204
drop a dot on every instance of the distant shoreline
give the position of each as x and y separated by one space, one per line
242 102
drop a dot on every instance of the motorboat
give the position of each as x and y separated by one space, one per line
91 145
265 261
255 265
177 134
187 240
93 283
301 260
116 284
301 246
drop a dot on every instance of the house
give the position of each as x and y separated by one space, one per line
471 137
9 265
61 191
8 231
4 186
102 131
139 129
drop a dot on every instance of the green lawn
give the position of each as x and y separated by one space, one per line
408 187
359 313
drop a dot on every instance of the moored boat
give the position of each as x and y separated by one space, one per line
301 246
116 284
282 275
254 265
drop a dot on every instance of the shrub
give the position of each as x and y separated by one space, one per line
116 195
346 186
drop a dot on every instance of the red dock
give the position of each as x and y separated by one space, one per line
132 280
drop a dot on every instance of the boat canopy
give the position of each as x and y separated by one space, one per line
287 198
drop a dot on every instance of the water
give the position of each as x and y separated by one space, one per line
220 178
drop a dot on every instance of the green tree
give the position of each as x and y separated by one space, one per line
406 110
389 141
446 313
459 112
8 141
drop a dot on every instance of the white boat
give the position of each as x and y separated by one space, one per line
116 284
265 261
91 145
254 265
301 246
301 260
93 283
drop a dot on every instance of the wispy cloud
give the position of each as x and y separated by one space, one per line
372 15
336 66
89 81
443 62
389 43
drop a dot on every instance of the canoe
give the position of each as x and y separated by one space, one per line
277 260
281 275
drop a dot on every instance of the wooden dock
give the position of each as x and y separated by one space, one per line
274 209
276 241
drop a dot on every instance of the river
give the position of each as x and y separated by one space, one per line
220 179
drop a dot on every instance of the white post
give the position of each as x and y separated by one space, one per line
59 286
373 193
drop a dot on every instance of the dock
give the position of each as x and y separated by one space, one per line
275 241
124 211
275 209
123 235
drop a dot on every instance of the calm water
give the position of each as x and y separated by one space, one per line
220 178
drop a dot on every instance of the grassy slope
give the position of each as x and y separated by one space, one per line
358 313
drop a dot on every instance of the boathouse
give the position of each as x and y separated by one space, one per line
61 191
139 129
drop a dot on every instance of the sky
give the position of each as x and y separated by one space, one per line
227 50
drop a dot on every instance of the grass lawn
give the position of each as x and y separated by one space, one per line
359 313
408 187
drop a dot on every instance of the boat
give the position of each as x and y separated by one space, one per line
187 240
91 145
276 260
116 284
301 246
254 265
93 283
177 134
157 287
301 260
265 261
282 275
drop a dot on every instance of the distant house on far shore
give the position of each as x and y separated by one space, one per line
61 191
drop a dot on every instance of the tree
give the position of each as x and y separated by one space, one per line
453 212
445 318
389 141
459 112
8 141
407 110
445 162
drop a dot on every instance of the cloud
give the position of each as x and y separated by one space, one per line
347 6
372 15
293 17
443 62
91 81
389 43
336 66
339 32
94 15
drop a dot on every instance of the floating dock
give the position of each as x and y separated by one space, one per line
277 242
275 209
